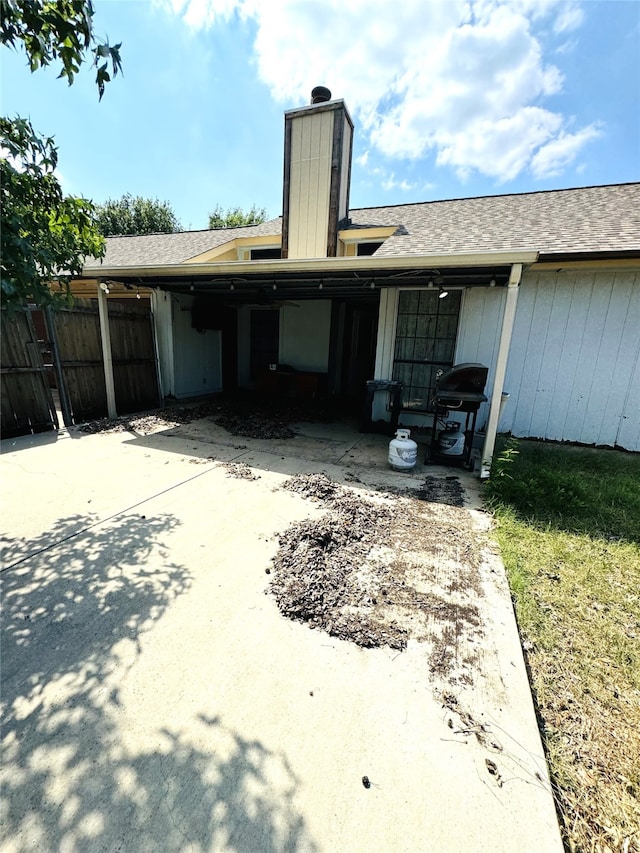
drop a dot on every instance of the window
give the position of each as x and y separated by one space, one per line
265 254
366 249
425 343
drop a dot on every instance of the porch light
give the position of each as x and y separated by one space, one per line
274 286
443 293
231 286
492 283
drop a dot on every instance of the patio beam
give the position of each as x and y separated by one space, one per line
508 319
107 361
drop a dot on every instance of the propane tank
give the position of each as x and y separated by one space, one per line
451 439
403 451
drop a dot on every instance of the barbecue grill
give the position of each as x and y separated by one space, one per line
459 389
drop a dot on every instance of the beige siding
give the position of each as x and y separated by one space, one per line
311 142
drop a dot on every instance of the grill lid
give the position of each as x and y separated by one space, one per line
469 378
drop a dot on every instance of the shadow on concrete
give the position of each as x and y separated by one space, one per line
74 775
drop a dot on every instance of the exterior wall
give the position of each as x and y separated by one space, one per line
574 364
305 334
161 307
311 149
573 372
479 338
197 360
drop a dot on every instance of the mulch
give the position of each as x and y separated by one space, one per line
350 572
247 416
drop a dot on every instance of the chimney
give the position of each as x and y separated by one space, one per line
318 141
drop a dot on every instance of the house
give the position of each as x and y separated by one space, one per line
543 288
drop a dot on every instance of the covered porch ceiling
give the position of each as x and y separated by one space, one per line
339 278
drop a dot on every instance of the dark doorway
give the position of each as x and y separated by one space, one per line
359 351
264 340
229 332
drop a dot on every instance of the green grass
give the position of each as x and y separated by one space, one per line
568 523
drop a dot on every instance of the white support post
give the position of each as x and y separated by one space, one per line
107 361
501 367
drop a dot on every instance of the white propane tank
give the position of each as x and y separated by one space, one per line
451 440
403 451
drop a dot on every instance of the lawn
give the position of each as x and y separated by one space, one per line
568 523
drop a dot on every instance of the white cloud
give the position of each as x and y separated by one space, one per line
553 158
392 183
570 18
464 80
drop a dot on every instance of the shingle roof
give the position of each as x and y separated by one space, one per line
159 249
582 220
588 219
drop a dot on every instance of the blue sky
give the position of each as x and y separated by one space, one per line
450 99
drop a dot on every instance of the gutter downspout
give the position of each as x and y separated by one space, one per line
501 368
107 362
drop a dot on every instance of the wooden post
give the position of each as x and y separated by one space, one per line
67 417
501 368
103 311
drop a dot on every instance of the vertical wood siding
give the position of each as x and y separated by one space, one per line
479 335
573 365
311 146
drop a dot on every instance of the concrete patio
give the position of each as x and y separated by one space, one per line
154 698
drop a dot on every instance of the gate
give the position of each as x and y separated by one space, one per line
27 401
75 343
76 334
133 355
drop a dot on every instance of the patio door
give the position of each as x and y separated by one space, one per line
425 343
264 340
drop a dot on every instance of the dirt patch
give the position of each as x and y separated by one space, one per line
254 426
240 471
251 416
443 490
381 570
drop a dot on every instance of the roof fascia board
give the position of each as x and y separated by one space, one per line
358 235
546 265
367 264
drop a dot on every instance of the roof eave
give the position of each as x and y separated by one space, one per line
288 265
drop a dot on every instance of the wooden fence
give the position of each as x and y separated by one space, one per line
26 400
76 343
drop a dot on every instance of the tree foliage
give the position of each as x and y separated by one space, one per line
44 235
136 215
59 30
235 216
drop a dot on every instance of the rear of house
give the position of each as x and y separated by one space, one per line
541 288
